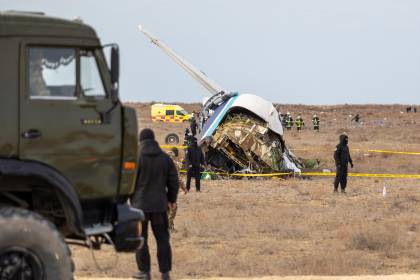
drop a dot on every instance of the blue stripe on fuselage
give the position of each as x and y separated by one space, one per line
217 117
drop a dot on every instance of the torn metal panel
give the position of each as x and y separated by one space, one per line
248 143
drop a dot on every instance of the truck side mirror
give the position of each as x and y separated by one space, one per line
115 72
115 65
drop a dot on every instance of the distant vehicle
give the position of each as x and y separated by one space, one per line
68 148
237 131
169 113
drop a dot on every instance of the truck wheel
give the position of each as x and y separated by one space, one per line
172 139
31 248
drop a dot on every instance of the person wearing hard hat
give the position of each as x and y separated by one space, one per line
299 123
289 121
315 122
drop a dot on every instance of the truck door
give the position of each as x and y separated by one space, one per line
62 95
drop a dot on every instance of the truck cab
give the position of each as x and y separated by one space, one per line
68 149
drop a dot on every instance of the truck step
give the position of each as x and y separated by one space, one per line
98 229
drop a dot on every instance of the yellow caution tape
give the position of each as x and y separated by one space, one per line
173 146
315 174
361 150
393 152
370 175
325 149
318 174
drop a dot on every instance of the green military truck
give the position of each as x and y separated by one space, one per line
68 147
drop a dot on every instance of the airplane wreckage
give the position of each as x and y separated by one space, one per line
239 133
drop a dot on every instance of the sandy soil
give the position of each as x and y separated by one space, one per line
378 277
255 228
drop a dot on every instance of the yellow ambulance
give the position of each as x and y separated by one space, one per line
169 113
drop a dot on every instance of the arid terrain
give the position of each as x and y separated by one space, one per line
258 227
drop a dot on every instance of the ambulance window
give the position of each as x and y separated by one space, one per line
52 73
170 112
179 113
90 78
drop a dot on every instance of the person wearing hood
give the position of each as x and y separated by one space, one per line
156 191
342 159
194 159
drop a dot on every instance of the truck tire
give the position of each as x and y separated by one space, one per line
172 139
31 248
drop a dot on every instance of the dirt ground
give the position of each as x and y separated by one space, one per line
380 277
255 228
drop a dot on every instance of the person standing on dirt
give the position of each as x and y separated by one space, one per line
342 159
299 123
194 159
356 119
173 153
315 122
193 126
156 191
289 121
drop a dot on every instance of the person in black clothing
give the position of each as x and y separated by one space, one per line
156 190
342 159
188 138
194 159
193 126
356 118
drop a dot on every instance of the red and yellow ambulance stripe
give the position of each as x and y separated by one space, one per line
171 119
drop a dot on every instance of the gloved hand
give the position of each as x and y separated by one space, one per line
351 164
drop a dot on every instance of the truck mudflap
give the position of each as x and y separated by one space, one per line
127 231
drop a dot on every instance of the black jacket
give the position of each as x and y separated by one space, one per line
193 127
194 156
342 153
157 180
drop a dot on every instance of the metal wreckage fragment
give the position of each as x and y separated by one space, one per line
245 144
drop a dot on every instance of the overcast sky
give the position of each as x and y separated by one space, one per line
287 51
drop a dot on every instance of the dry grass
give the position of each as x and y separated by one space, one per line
254 228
